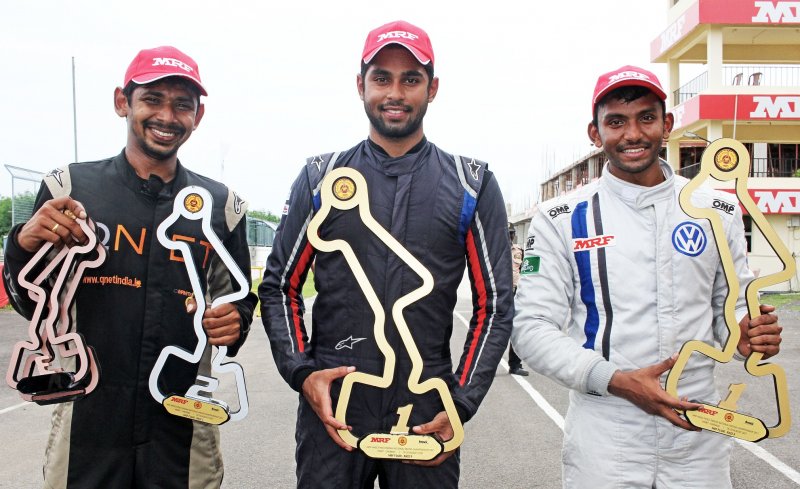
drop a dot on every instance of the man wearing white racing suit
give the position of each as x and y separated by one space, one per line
631 277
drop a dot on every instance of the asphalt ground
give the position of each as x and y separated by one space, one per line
513 441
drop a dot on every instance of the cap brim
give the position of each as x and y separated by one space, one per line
416 52
151 77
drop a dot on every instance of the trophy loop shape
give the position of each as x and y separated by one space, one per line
726 160
346 189
195 203
55 364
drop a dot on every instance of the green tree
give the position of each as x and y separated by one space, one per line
265 215
5 216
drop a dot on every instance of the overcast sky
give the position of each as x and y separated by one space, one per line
516 79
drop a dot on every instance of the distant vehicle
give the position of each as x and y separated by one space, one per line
260 235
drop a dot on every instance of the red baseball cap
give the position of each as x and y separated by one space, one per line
161 62
399 32
626 76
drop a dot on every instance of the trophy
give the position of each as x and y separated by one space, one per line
197 403
345 189
726 160
55 364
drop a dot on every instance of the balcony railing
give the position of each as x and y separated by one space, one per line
734 75
761 167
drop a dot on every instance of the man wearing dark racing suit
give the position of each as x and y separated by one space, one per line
133 305
446 211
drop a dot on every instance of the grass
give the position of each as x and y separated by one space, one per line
782 301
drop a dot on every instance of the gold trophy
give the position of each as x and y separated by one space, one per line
725 160
345 189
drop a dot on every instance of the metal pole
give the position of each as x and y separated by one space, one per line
74 113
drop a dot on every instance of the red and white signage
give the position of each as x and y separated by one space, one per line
750 107
725 12
774 201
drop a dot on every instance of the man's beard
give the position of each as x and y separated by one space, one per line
396 132
158 152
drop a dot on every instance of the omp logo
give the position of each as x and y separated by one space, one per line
689 238
529 243
589 243
379 439
673 33
397 35
172 62
776 108
778 12
723 206
558 210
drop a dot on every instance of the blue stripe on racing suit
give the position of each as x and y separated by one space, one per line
583 259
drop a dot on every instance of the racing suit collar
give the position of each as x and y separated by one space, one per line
415 149
638 196
134 182
401 165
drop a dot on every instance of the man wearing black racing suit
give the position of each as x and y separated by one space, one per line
446 211
133 305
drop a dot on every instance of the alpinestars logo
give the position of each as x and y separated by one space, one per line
473 168
689 238
348 342
317 161
237 203
56 174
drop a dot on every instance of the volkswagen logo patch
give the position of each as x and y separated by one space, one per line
689 238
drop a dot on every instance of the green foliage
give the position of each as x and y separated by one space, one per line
264 215
5 216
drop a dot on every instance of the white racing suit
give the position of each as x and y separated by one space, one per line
618 277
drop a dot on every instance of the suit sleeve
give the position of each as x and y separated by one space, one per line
489 269
543 299
15 259
282 305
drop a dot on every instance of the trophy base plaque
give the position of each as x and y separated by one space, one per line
400 446
727 422
51 388
206 411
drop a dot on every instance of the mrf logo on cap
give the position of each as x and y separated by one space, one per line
154 64
627 76
401 33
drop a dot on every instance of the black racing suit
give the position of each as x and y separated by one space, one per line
447 212
129 309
